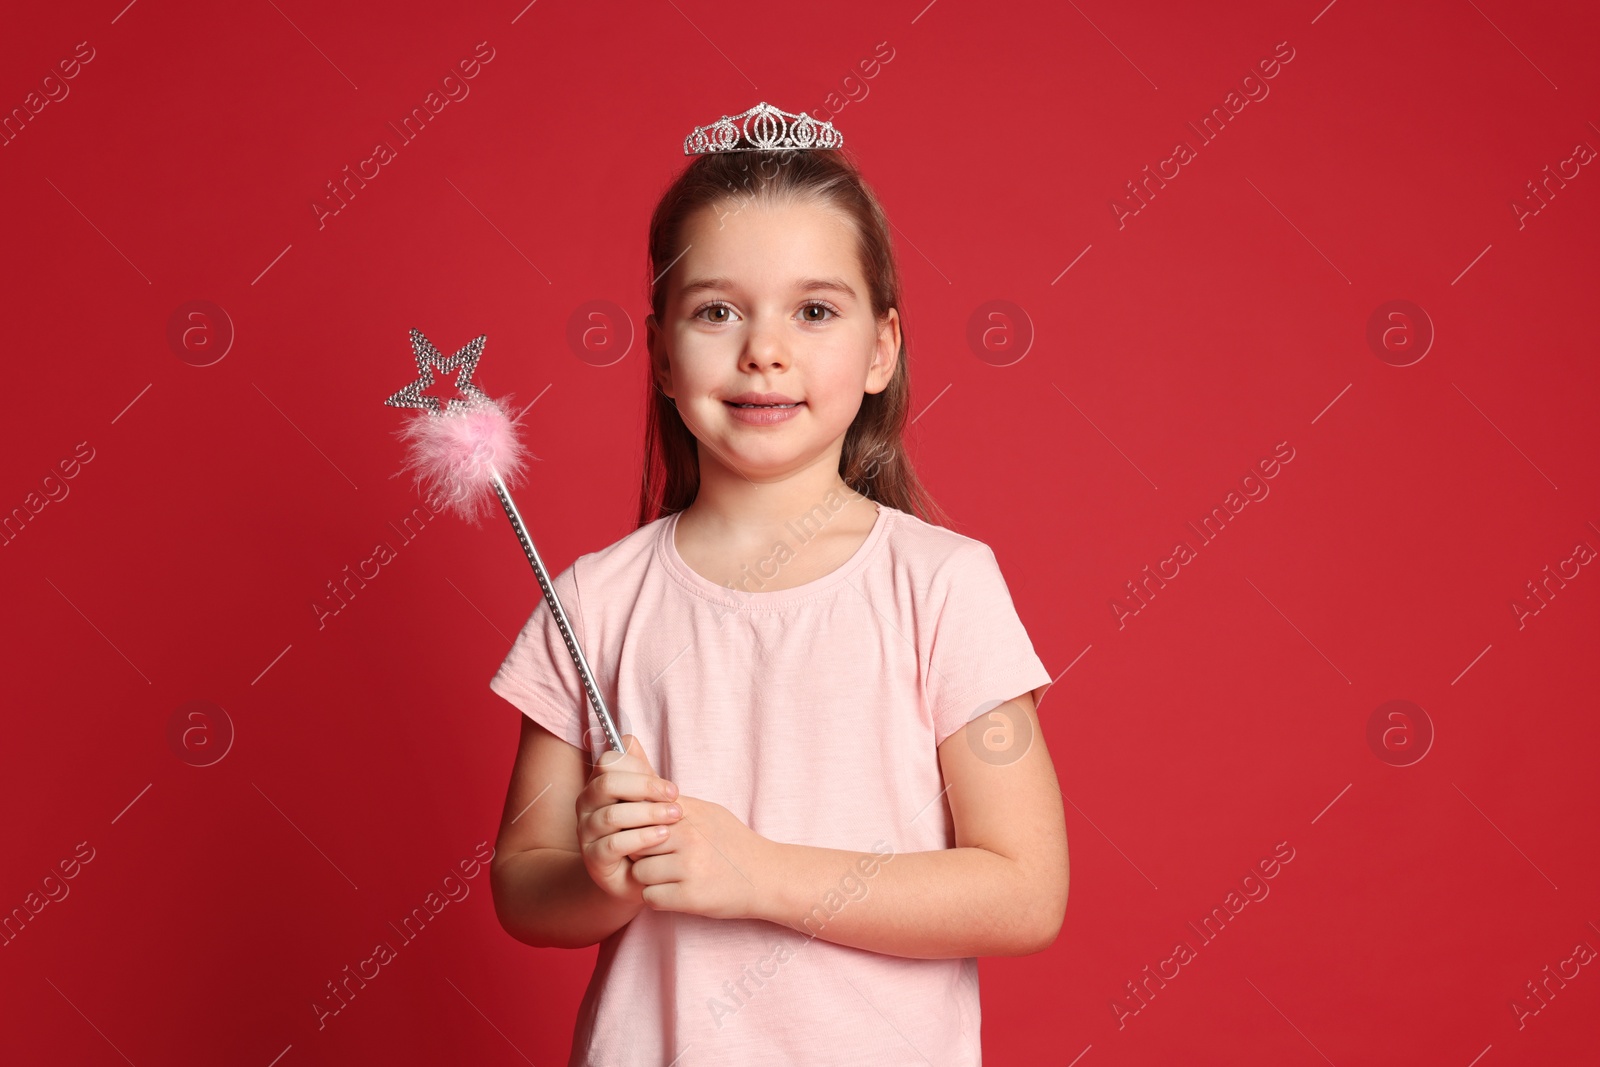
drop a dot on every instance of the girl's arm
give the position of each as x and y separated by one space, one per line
1002 891
543 894
544 897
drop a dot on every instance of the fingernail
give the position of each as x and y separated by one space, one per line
673 811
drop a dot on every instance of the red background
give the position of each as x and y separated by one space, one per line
368 758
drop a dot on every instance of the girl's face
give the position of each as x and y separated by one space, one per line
770 299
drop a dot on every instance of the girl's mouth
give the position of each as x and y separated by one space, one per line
763 414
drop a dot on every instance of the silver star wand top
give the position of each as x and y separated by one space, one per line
462 449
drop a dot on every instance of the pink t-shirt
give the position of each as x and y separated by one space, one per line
813 714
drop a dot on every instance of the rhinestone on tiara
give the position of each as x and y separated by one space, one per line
762 128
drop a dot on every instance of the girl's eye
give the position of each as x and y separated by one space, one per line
719 306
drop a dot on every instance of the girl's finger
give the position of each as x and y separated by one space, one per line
613 786
661 847
619 845
627 815
656 870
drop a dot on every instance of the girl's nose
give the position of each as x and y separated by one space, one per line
765 349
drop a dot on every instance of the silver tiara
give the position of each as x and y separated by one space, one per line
762 128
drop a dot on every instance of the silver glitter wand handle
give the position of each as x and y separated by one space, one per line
612 736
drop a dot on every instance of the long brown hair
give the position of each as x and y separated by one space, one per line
873 460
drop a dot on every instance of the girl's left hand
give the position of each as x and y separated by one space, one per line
710 863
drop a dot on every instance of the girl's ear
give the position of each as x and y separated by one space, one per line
885 353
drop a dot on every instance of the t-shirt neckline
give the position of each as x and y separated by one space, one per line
697 583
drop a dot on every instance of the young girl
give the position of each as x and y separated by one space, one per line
806 845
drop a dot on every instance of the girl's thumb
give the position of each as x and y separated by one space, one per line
630 747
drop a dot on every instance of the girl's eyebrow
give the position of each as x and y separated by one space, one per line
804 285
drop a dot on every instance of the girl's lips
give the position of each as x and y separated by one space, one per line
763 416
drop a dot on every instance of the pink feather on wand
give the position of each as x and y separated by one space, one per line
462 451
455 456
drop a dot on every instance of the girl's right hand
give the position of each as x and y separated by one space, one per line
618 812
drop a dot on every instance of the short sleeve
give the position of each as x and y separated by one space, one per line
980 652
538 676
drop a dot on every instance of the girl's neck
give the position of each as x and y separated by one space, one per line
820 529
730 505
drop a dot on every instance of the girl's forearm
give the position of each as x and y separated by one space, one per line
928 905
544 897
